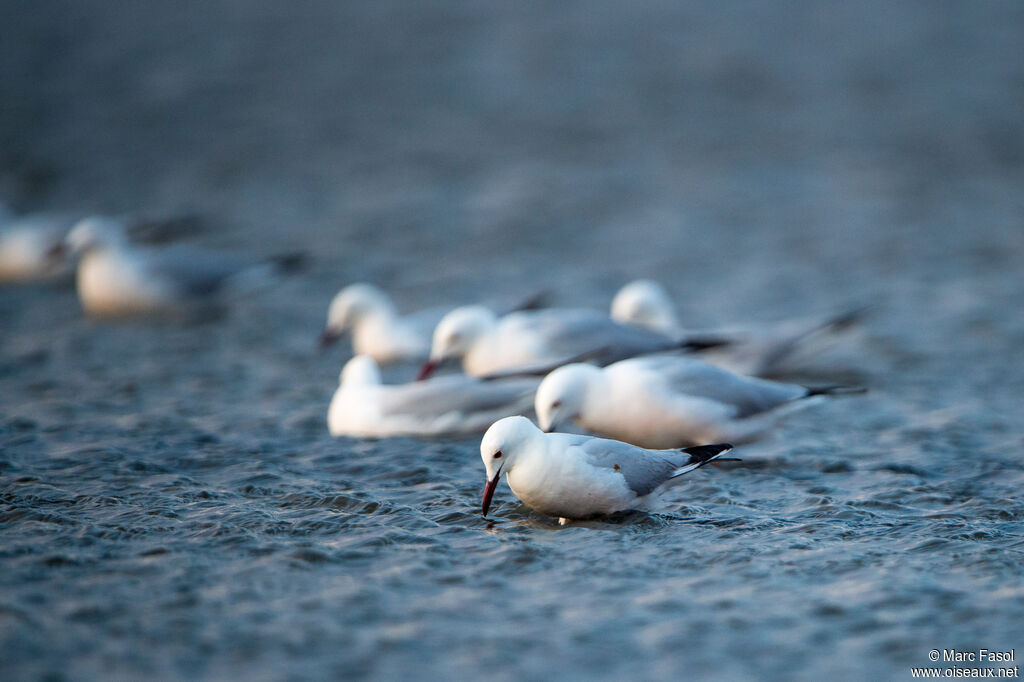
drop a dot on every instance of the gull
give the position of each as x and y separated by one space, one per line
522 342
32 248
118 278
666 401
378 330
751 350
577 477
363 406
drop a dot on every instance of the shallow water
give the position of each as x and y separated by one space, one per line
171 505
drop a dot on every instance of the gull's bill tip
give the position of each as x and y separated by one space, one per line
489 492
426 370
327 338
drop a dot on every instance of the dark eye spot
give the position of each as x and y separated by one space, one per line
555 405
497 455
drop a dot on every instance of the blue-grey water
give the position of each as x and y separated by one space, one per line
171 506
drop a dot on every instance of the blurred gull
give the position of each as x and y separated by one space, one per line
363 406
528 340
665 401
378 330
763 350
32 247
118 278
578 477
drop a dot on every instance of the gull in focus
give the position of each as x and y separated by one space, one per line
667 401
527 340
363 406
32 248
118 278
758 351
577 477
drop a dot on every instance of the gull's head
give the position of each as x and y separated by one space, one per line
562 395
360 371
349 306
499 448
457 331
645 303
94 233
456 334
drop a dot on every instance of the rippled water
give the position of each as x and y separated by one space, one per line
171 505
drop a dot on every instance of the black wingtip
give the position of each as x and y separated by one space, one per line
536 301
835 389
290 263
702 454
696 344
848 319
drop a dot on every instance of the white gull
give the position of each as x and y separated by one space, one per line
378 330
32 248
118 278
758 350
363 406
666 401
527 340
577 477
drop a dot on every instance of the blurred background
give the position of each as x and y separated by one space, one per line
172 498
504 141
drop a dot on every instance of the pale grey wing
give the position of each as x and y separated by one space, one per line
643 470
193 272
748 395
570 332
459 394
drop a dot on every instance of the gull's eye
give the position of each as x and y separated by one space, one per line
555 405
497 455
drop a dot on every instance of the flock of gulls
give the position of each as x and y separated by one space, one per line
625 402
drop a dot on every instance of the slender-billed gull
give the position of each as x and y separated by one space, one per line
487 344
381 332
756 350
378 330
116 277
577 477
666 401
363 406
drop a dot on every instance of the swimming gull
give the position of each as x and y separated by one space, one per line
667 401
755 349
526 340
32 248
118 278
363 406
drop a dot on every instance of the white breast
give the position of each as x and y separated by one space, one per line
110 283
355 411
388 339
23 255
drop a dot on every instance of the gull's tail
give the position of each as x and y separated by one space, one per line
265 274
701 455
289 263
817 333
